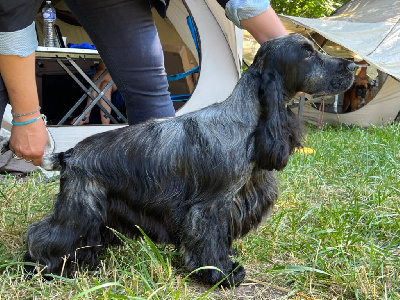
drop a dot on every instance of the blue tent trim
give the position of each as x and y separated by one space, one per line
193 31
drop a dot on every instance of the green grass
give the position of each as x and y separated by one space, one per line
334 234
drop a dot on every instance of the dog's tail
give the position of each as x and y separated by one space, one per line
55 161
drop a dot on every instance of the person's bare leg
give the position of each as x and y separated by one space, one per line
108 93
85 120
100 69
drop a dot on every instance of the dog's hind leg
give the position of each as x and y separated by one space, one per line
72 231
206 242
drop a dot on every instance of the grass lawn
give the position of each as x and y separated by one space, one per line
334 234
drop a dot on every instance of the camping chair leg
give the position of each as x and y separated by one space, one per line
96 101
119 114
84 96
93 86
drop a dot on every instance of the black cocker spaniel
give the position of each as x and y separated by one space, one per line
197 181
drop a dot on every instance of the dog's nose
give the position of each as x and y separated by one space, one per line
352 67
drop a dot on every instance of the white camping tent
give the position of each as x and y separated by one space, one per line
370 29
220 50
219 59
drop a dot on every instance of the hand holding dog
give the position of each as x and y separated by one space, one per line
28 141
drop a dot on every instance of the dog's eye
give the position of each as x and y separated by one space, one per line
309 54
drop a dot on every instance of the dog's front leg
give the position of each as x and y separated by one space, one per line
253 202
206 241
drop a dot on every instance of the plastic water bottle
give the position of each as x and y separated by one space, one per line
49 19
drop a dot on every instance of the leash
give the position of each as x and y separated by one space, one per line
315 42
321 113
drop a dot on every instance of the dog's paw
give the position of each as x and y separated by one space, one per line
29 268
235 278
4 144
32 269
222 278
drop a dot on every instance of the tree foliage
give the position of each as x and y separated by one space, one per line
306 8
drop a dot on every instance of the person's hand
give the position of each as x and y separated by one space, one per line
28 141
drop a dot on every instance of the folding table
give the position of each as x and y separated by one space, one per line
69 56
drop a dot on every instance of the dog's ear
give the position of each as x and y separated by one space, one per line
295 131
274 136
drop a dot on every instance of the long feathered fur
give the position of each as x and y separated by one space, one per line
197 181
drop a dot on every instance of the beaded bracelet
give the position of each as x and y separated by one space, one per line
27 122
27 114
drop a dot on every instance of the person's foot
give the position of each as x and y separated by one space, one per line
85 120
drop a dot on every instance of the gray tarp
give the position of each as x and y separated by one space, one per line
370 28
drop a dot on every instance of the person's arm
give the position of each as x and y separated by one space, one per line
256 16
264 26
27 141
18 42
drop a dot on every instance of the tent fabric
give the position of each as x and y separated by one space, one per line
370 11
220 57
13 166
370 28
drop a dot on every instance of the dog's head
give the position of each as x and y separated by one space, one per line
303 68
282 67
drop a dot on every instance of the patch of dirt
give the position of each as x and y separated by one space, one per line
250 291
